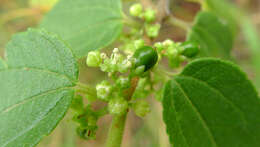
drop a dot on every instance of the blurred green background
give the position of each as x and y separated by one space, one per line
18 15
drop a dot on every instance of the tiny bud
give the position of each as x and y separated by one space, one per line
139 43
141 108
117 106
115 50
123 82
149 15
136 9
153 30
159 46
167 43
103 90
94 59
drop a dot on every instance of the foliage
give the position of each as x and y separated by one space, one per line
209 103
35 93
218 99
215 38
77 21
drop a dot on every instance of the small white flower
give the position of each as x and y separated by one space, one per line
115 50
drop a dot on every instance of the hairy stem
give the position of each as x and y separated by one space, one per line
86 89
130 22
116 130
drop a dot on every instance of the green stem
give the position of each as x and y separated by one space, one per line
130 22
86 89
116 131
180 23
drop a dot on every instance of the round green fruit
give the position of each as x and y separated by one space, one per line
145 56
190 49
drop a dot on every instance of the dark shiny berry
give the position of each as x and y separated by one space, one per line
190 49
145 56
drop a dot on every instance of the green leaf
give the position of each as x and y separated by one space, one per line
2 64
85 24
214 37
36 89
230 15
212 104
238 17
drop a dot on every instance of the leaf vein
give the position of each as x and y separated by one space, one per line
204 123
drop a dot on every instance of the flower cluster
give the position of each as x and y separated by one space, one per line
116 63
149 17
176 52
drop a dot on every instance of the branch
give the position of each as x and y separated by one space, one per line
116 130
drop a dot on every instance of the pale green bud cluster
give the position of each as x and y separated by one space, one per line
152 30
148 15
172 51
123 82
139 43
136 10
116 63
141 108
85 117
117 106
104 90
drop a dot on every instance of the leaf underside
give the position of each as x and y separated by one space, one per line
85 24
215 37
35 88
212 104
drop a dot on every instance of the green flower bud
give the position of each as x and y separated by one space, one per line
103 90
141 108
87 133
189 49
117 106
159 46
138 43
149 15
136 9
94 59
123 82
167 43
152 31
